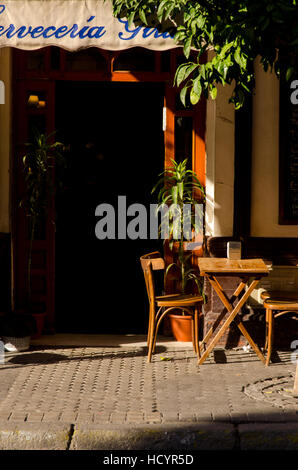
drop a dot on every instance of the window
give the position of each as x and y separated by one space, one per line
288 151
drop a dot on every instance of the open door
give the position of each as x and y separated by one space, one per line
34 109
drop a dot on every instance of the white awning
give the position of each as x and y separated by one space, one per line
73 25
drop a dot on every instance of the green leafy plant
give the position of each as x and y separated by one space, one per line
236 31
39 172
180 187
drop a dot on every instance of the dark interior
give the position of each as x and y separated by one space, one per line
113 133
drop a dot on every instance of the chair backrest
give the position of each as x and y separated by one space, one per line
151 262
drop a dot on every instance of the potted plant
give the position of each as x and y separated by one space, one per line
180 190
16 331
39 163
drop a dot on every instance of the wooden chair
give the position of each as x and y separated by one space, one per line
166 303
282 303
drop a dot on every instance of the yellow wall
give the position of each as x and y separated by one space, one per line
265 160
5 140
220 128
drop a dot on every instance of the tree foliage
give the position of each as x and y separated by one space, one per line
238 31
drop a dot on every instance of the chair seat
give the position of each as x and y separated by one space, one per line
281 304
176 300
279 295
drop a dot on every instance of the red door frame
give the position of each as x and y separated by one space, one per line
24 81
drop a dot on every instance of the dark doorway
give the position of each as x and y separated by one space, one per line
113 132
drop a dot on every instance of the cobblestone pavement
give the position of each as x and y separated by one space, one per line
113 384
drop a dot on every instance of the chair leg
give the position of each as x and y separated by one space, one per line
151 328
196 332
193 333
266 330
154 338
150 350
269 335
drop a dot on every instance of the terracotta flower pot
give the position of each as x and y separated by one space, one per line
181 327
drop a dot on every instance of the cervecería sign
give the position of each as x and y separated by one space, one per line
73 24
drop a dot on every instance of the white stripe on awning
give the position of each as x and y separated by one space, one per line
73 25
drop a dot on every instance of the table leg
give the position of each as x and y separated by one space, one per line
226 303
249 339
233 314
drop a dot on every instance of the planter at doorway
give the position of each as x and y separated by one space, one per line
181 327
39 320
14 344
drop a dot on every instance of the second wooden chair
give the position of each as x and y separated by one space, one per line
281 303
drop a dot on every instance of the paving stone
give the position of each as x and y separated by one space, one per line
18 416
51 416
169 416
68 417
34 416
187 416
5 415
84 417
153 417
134 417
202 417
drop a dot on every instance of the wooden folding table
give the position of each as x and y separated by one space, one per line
250 272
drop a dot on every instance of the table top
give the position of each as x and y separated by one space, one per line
232 266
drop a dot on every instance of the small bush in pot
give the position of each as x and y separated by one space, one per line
180 189
39 162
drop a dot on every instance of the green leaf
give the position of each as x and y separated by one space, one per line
160 10
289 73
131 18
201 22
197 86
194 97
187 46
213 93
169 267
174 192
142 16
225 49
237 56
183 95
183 72
169 10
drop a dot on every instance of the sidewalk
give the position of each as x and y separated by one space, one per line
98 392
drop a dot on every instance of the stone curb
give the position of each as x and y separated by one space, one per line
178 436
34 436
175 436
277 436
